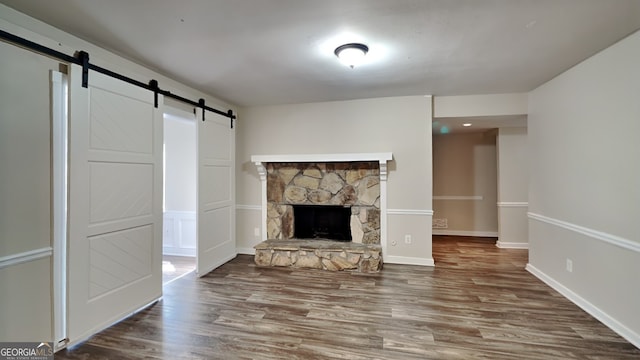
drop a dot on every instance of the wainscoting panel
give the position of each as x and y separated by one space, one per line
179 235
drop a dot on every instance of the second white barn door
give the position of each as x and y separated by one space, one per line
215 191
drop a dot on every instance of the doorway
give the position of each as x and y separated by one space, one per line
465 184
179 195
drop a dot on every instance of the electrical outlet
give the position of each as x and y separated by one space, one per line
569 265
256 232
407 239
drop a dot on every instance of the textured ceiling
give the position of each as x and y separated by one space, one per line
261 52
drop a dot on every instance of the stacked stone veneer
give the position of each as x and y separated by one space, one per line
353 184
356 184
319 254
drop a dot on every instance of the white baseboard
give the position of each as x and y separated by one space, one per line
511 245
246 251
406 260
465 233
585 305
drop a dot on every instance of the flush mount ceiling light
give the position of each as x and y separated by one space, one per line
466 124
351 54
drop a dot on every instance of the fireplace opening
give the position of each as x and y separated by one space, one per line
322 222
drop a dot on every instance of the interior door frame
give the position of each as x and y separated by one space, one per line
59 132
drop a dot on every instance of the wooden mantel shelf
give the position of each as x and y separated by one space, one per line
380 157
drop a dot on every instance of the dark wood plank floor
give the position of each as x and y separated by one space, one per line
477 303
175 267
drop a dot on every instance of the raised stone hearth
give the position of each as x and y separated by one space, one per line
319 254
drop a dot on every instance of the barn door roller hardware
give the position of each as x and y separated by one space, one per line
82 58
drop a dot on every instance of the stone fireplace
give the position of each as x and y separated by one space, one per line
355 186
323 211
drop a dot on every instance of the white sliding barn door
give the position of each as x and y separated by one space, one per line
215 191
115 202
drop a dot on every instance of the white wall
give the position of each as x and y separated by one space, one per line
179 216
465 184
493 105
25 195
25 311
584 195
180 163
401 125
513 188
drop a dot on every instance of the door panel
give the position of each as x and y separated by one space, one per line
215 192
115 202
120 192
220 194
120 258
120 123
